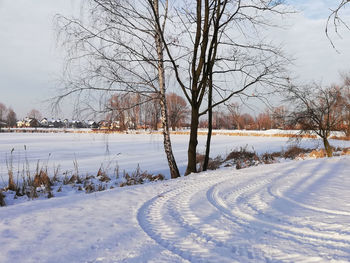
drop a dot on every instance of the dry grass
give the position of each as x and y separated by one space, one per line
102 175
345 151
139 177
294 152
268 158
213 164
317 154
40 183
243 158
111 131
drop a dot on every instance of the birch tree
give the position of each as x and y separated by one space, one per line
114 47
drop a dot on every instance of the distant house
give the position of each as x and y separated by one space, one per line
109 125
28 123
67 123
104 124
92 124
44 122
58 123
32 123
115 125
53 123
20 124
77 124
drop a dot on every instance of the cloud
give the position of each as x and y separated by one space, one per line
314 9
305 40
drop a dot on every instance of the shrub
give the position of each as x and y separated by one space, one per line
42 178
213 164
139 177
268 158
295 151
242 158
102 175
318 153
242 154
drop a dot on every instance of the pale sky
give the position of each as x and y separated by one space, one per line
31 62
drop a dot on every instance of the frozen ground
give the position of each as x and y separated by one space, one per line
290 212
124 150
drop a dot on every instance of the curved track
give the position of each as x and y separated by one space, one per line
275 213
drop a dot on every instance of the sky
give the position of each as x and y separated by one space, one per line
31 62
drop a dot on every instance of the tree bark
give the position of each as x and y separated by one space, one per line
192 146
210 125
174 171
327 147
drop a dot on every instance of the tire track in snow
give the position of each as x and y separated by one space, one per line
163 223
207 220
236 202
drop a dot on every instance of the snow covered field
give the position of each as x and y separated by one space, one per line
124 150
296 211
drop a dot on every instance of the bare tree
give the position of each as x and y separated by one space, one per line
177 110
336 19
125 109
119 49
35 114
11 118
263 121
235 113
247 121
279 116
151 113
316 109
117 111
217 54
3 111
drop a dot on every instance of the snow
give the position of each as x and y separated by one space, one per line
125 150
296 211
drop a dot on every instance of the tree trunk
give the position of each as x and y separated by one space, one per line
192 147
155 123
174 171
210 125
327 147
